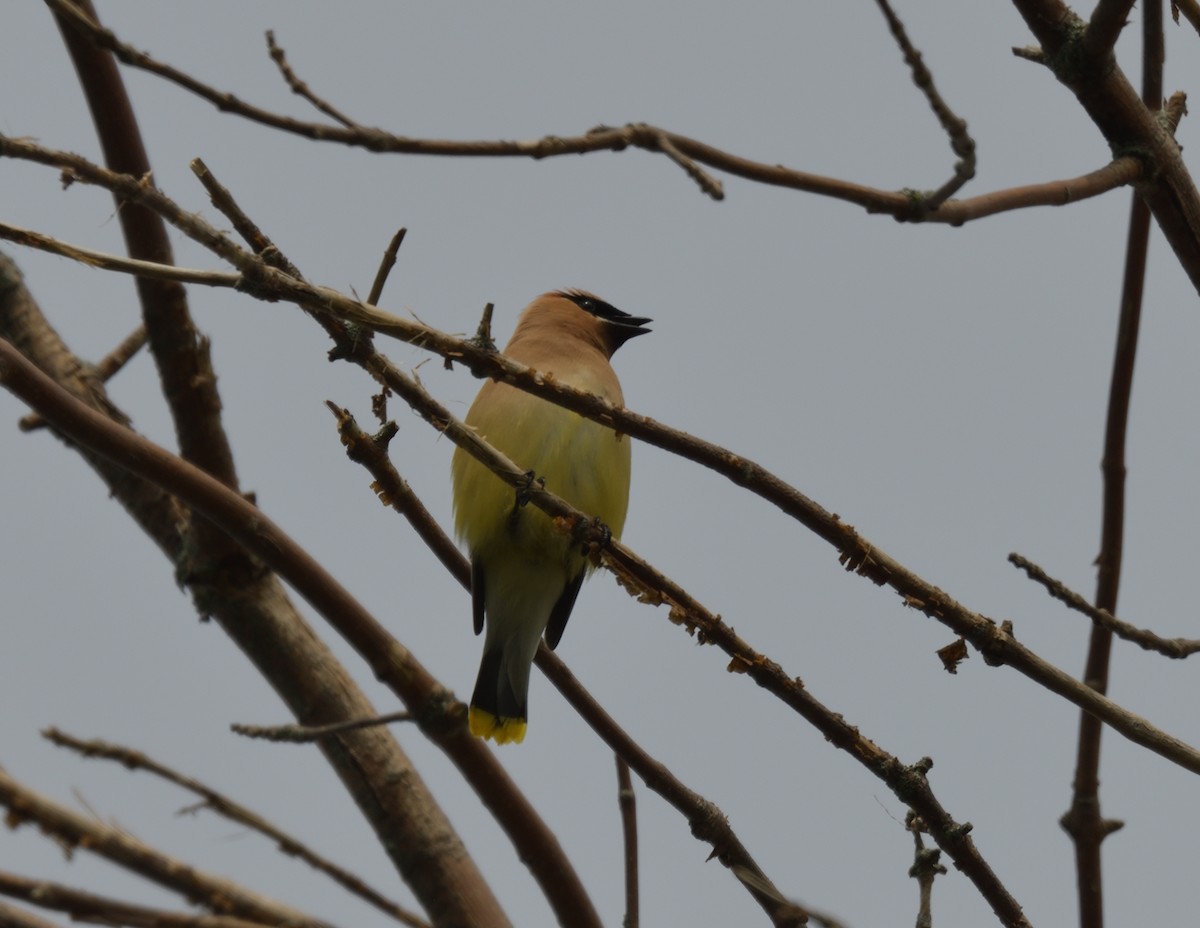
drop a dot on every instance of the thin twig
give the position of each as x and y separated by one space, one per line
960 140
104 910
76 831
385 267
105 369
1083 820
144 270
687 152
926 866
1144 638
306 734
854 551
224 806
279 56
627 803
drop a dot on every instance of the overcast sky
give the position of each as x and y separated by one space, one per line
941 389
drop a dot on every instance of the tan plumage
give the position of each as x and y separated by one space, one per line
525 575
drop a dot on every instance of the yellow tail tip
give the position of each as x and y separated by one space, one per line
496 728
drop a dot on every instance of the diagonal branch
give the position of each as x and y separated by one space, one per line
246 524
854 551
103 910
1127 123
260 617
707 821
960 140
686 152
217 894
1147 640
234 811
12 917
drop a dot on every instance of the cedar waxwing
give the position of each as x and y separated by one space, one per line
525 574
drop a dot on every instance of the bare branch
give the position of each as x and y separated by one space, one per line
76 831
1109 18
687 152
12 917
385 267
103 910
306 734
1128 125
106 368
180 351
147 270
960 140
707 821
259 615
854 551
925 868
627 803
442 719
1144 638
224 806
300 88
1190 10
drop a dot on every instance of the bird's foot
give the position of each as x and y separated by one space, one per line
525 490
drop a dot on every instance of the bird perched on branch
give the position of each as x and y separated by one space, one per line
525 572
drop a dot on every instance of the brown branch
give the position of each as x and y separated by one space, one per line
1169 647
649 585
306 734
180 352
300 88
385 267
960 140
854 552
1190 10
104 910
1109 18
627 803
76 831
1126 122
12 917
1083 821
684 151
925 868
224 806
441 718
707 821
106 368
259 616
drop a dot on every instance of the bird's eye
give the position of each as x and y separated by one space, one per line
588 304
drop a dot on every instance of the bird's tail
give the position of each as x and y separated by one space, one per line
498 711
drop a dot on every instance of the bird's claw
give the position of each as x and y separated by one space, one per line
525 491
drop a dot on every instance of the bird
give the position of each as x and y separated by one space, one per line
525 572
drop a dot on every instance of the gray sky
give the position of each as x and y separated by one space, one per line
942 389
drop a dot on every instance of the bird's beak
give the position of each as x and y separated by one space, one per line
627 327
